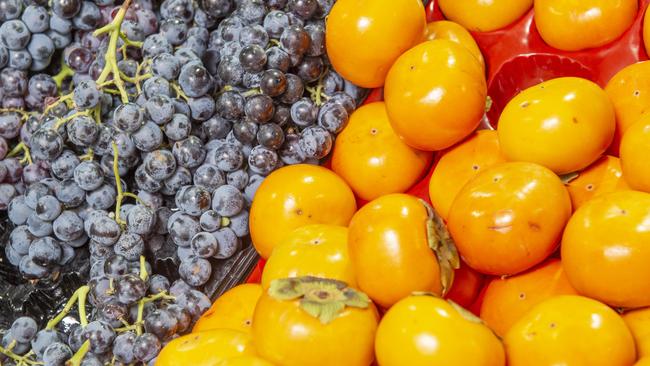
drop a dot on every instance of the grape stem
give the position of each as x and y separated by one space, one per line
79 355
83 293
179 92
64 73
113 29
68 306
118 186
27 157
19 360
137 326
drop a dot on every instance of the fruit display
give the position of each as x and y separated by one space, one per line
324 182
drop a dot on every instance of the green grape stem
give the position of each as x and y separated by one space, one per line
79 355
113 29
81 291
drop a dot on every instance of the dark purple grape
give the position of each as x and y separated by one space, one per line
259 108
245 131
333 117
201 108
238 179
78 58
148 138
129 289
239 224
227 201
217 8
130 246
295 40
40 47
11 9
160 164
174 30
48 208
204 245
282 115
14 84
115 266
210 221
18 211
194 79
14 34
89 175
304 112
166 65
30 270
316 33
57 353
181 177
209 176
104 230
183 317
82 131
291 153
128 117
230 70
229 243
123 347
69 193
146 347
182 228
195 271
310 68
156 85
304 9
158 283
89 16
262 160
189 153
178 128
38 227
273 82
161 323
215 128
277 58
315 142
270 136
43 339
68 226
21 60
100 334
141 220
23 329
230 105
21 239
101 198
295 88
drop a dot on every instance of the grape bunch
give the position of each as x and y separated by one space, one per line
148 142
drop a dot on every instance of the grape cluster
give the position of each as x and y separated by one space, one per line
159 125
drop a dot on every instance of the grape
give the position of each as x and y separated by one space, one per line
104 230
115 266
262 160
30 270
152 200
158 283
305 9
90 359
40 47
230 70
148 138
181 177
184 253
45 251
128 117
130 246
333 117
193 200
295 40
239 224
275 22
78 58
194 302
43 339
227 201
141 220
123 347
195 271
46 144
259 108
146 347
294 90
166 65
82 130
69 193
315 142
130 288
174 30
161 323
14 84
21 60
88 175
189 153
18 210
204 245
160 164
21 239
23 329
270 136
160 109
201 108
182 316
39 227
57 353
278 59
63 166
102 198
216 8
245 131
9 125
230 105
194 79
68 253
59 40
10 9
86 95
59 24
133 30
88 17
178 128
310 68
209 176
182 228
14 34
100 334
210 221
156 86
48 208
238 179
229 244
304 112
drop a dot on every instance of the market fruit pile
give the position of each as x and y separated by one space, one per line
439 236
133 137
